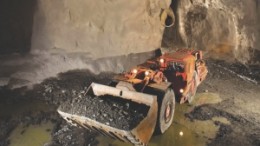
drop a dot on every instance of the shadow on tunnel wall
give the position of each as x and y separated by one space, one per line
171 36
16 23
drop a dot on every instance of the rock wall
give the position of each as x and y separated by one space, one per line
97 28
226 29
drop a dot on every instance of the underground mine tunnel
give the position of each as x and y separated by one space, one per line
58 58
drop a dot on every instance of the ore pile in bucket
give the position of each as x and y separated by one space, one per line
112 111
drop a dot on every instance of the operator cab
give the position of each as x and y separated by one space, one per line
176 67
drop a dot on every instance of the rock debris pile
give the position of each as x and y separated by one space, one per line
112 111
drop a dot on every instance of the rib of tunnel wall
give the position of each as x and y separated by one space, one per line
62 35
97 28
225 29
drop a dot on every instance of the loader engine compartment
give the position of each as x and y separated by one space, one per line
52 50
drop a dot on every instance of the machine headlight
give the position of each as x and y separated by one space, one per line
181 90
146 73
181 133
134 71
161 60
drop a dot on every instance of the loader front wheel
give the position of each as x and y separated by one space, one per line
166 112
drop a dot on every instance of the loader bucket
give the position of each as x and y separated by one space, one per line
138 134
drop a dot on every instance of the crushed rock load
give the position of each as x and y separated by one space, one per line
112 111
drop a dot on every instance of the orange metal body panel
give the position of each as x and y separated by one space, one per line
190 61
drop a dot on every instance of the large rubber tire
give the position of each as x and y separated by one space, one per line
166 112
193 88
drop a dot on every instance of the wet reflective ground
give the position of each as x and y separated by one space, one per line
226 111
34 135
29 128
183 131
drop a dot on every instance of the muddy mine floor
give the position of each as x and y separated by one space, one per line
236 85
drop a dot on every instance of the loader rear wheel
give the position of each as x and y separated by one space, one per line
166 112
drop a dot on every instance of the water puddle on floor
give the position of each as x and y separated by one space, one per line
183 131
33 135
171 137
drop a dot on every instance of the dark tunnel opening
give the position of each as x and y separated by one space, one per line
16 24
